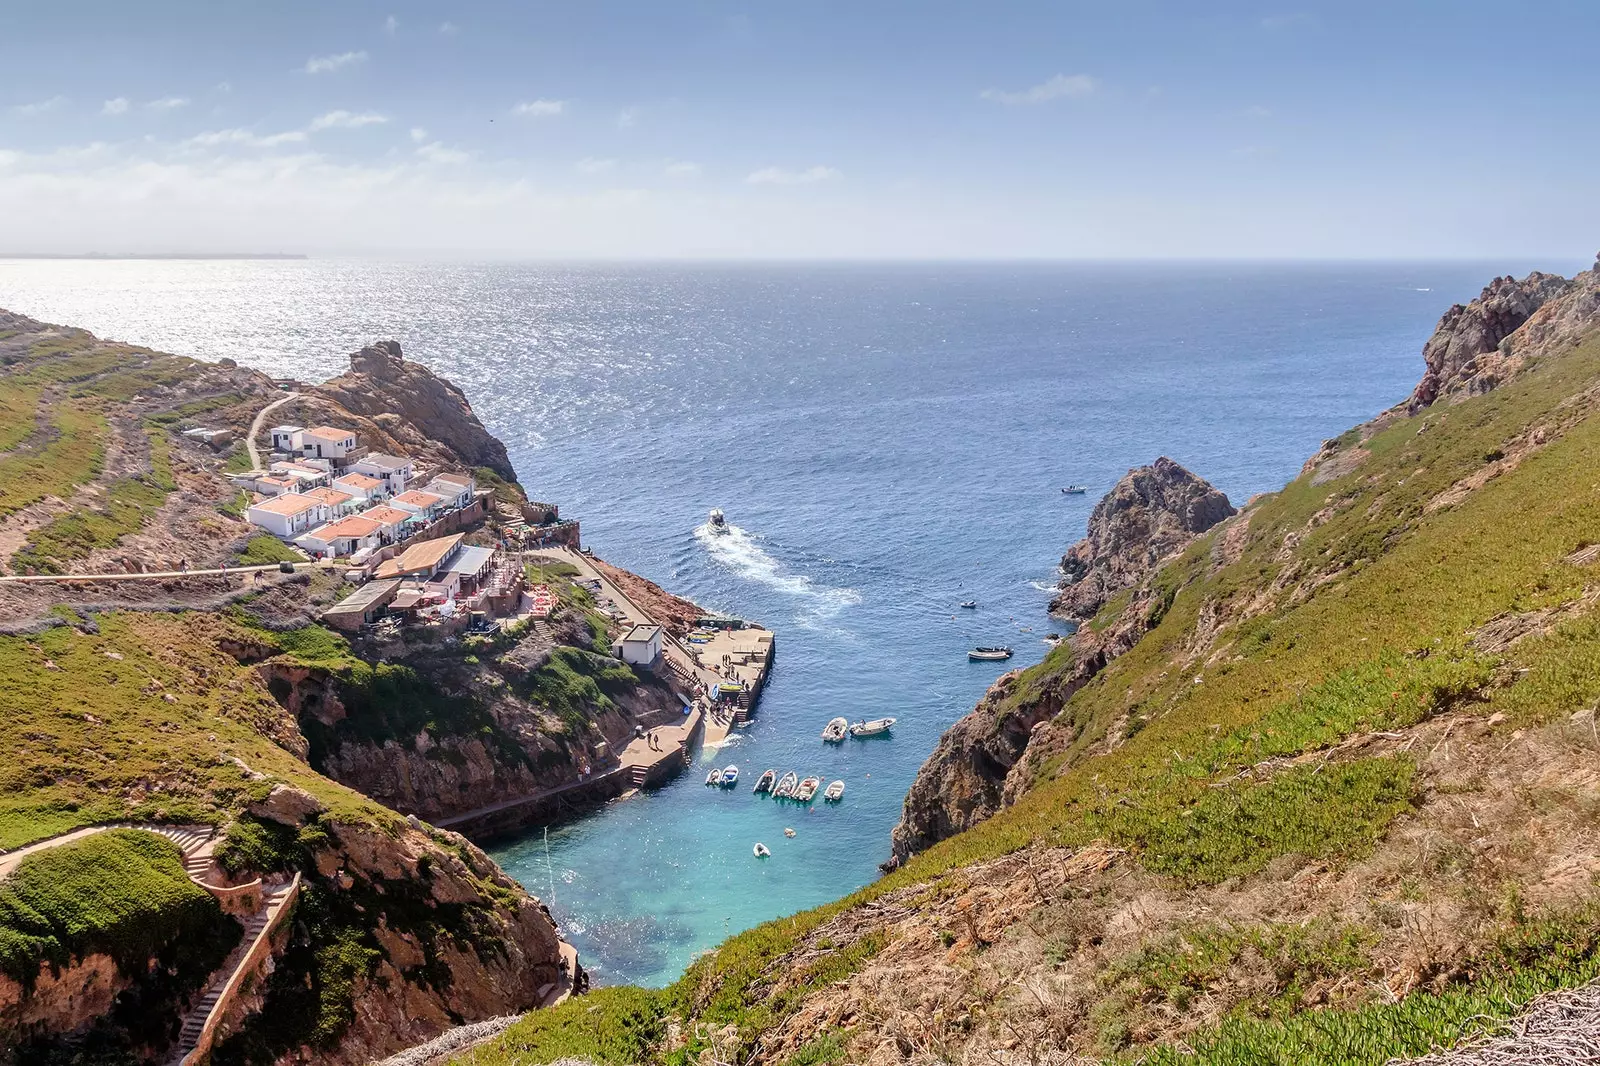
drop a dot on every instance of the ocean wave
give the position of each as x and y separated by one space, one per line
738 551
1044 586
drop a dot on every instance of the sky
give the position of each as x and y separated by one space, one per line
818 129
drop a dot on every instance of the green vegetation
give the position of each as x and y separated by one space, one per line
1556 952
121 892
263 549
507 492
573 683
72 455
609 1025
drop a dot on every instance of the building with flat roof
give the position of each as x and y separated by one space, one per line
393 470
427 504
366 604
640 646
422 560
327 442
288 438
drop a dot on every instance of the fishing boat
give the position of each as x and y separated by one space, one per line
872 728
716 520
761 850
765 782
730 777
1075 490
836 729
835 792
787 784
808 789
989 655
714 777
970 605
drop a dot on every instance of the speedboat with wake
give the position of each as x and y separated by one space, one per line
989 655
835 792
835 730
730 777
717 521
875 727
786 785
765 782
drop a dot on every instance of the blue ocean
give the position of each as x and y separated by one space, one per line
887 442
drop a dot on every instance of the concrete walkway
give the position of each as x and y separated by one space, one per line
161 575
255 428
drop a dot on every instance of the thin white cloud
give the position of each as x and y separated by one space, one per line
539 108
779 176
627 117
1062 86
168 103
244 138
418 134
594 166
1257 111
38 107
116 106
347 120
681 170
328 64
434 152
391 24
449 28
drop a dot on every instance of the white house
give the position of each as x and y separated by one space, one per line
306 474
392 521
344 537
427 504
288 438
364 488
393 470
328 442
640 646
288 515
456 489
338 503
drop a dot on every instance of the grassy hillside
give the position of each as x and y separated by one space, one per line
1342 676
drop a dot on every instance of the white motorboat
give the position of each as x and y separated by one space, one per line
970 605
787 784
1075 490
808 789
761 850
765 782
717 522
872 728
989 655
714 777
730 777
835 792
836 730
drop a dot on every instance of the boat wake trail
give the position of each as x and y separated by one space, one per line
738 551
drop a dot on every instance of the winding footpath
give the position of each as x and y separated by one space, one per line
255 428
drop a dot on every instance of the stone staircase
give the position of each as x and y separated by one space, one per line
255 927
197 842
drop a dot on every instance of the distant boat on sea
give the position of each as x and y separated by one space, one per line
1075 490
989 655
717 521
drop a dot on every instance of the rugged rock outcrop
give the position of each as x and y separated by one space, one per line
983 763
1151 514
1464 356
415 407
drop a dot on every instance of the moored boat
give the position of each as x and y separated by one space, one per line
835 792
836 729
971 605
761 850
1075 490
985 655
807 789
765 782
872 728
730 777
787 784
714 777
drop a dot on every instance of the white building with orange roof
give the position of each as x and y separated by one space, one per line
339 503
362 486
391 520
328 443
427 504
343 537
288 515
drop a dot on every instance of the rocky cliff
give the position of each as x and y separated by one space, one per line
1153 513
1464 357
415 407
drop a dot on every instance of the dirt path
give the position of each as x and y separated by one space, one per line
155 575
255 428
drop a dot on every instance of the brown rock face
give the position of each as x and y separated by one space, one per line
1151 514
1464 356
414 406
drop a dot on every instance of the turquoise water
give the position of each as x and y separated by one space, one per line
889 440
